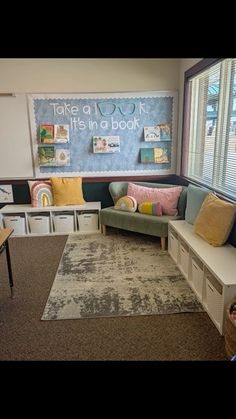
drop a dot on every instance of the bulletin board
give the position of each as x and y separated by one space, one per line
121 118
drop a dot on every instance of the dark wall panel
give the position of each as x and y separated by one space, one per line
98 191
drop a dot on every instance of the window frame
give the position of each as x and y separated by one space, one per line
193 71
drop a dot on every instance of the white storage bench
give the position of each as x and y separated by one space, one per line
210 271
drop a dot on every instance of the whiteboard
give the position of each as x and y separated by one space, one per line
123 116
15 142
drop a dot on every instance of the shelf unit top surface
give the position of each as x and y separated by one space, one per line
29 208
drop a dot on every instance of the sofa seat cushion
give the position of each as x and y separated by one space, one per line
141 223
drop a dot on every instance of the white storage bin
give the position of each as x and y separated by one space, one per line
87 221
197 277
183 257
174 245
214 298
17 222
64 223
39 224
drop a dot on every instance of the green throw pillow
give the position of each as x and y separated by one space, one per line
195 198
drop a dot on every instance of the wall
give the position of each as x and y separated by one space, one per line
22 76
184 65
87 75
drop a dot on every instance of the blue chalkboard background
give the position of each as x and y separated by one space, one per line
125 117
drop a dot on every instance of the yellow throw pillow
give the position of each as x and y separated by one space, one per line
215 220
67 191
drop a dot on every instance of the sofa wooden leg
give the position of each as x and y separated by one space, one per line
103 229
163 243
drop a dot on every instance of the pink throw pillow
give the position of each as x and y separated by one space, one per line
168 197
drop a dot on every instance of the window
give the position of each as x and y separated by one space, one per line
209 143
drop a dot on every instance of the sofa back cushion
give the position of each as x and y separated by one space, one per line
118 189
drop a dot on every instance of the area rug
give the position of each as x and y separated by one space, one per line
121 274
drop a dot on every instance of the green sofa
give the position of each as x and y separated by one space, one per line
141 223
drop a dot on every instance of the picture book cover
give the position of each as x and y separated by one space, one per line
165 134
61 133
152 133
107 144
62 157
153 155
47 155
46 133
160 155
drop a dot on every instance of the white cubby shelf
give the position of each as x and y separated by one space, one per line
54 220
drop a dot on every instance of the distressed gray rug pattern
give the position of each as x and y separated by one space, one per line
121 274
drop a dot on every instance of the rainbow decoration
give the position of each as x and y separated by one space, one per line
126 203
41 194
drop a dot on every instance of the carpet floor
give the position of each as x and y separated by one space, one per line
24 336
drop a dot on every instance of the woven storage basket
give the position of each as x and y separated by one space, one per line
230 332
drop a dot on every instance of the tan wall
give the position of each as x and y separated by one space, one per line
87 75
185 64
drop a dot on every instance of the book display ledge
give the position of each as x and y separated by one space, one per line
34 221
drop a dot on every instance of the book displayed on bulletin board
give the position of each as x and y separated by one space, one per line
62 157
46 133
46 155
154 155
161 132
51 156
61 133
89 127
106 144
152 133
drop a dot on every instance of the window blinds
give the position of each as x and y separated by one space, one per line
211 148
